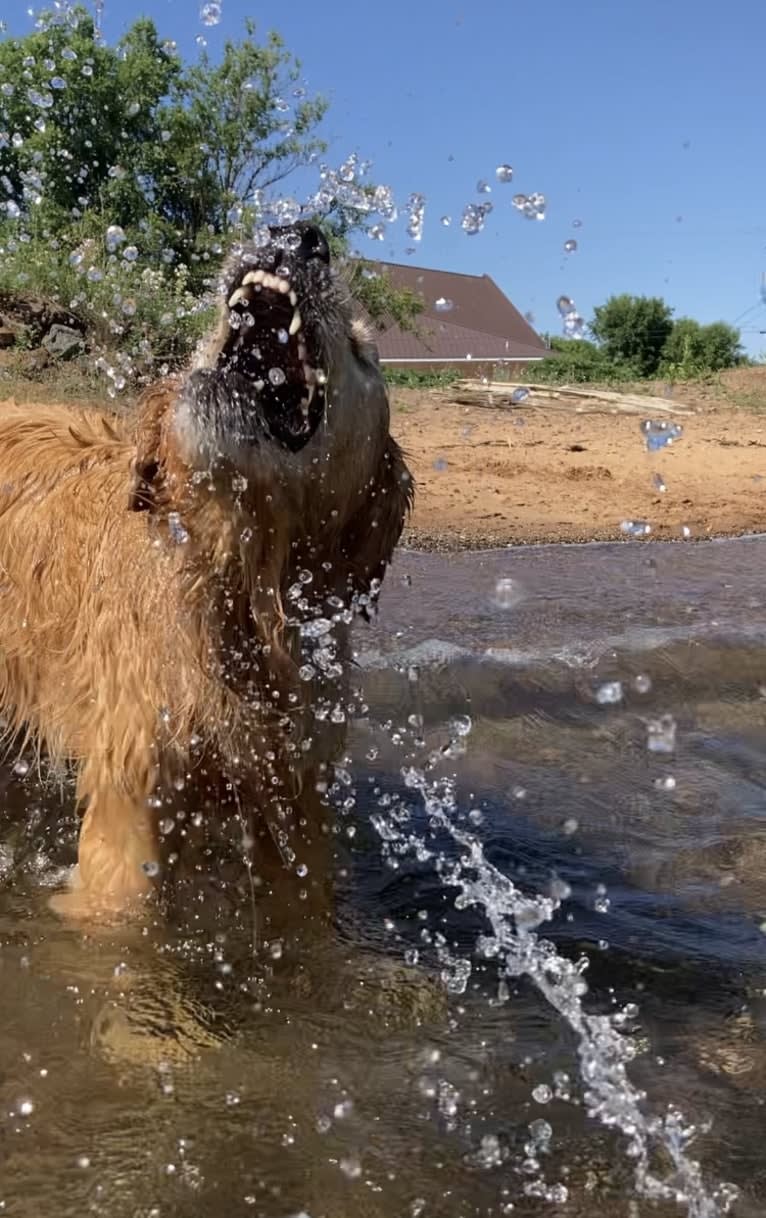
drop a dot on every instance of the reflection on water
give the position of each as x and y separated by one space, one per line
171 1073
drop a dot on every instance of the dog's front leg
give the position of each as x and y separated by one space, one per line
118 851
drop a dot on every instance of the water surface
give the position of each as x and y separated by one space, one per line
361 1086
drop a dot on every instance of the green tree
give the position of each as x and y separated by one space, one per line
692 349
632 331
575 362
109 150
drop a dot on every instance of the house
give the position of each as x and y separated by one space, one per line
467 322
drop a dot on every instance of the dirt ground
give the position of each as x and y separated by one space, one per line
492 476
489 476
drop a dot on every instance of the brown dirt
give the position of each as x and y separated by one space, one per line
493 476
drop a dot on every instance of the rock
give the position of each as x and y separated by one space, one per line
62 342
7 338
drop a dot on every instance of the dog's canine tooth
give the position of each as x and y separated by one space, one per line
253 277
296 323
283 286
293 298
237 296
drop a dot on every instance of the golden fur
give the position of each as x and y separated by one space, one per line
149 647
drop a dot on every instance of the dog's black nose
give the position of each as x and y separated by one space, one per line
313 244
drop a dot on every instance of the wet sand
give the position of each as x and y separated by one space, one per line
490 476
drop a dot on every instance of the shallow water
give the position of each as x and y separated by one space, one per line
356 1088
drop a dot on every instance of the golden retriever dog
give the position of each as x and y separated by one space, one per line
176 588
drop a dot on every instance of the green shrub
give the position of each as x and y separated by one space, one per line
411 378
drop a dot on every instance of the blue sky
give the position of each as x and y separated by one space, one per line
644 121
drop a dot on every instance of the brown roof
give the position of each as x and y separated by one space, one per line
481 323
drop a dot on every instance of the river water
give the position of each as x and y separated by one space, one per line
601 710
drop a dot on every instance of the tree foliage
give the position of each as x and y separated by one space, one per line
632 331
577 362
693 349
178 159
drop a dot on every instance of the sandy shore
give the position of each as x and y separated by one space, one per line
494 476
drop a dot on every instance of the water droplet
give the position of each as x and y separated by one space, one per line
508 593
21 768
570 826
668 783
635 528
483 188
25 1107
610 693
87 70
69 54
570 246
43 101
277 376
178 532
210 14
416 208
661 734
474 217
151 868
461 725
542 1094
519 395
504 173
377 232
658 482
442 305
115 237
440 464
685 530
642 683
577 224
658 433
351 1167
58 82
130 253
446 221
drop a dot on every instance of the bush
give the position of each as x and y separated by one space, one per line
411 378
578 362
632 331
135 314
693 350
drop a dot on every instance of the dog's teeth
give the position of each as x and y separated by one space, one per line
293 298
253 277
283 286
296 323
239 295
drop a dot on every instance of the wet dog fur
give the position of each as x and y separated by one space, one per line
155 573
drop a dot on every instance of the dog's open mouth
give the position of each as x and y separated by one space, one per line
269 345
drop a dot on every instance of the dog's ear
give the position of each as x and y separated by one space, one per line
370 538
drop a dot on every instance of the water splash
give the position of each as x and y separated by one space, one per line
659 433
604 1049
